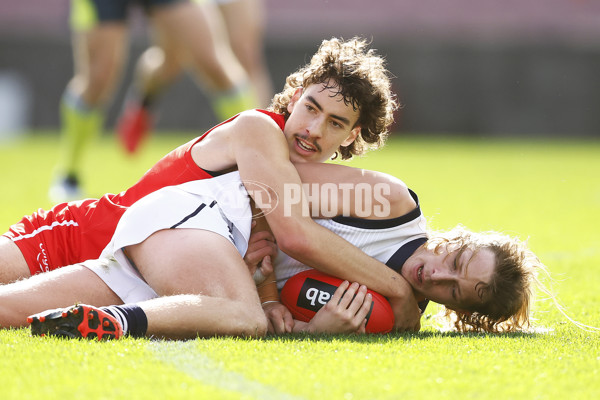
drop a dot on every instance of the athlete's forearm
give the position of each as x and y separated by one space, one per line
335 256
295 232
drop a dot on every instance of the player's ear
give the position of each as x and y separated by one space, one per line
295 97
352 136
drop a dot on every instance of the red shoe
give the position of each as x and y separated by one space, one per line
79 321
133 126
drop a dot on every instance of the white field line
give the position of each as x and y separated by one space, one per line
185 357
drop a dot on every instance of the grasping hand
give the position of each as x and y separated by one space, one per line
279 318
261 250
346 312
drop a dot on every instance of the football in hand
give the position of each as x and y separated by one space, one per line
306 292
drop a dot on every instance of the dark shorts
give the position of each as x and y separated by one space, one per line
86 14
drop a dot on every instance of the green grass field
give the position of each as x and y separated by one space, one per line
546 191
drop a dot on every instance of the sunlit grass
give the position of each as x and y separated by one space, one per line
545 191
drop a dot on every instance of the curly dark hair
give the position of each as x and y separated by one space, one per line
360 76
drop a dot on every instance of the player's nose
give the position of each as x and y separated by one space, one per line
315 128
440 276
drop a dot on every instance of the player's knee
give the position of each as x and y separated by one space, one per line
100 85
12 263
10 317
261 325
254 323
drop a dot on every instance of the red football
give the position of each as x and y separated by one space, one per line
306 292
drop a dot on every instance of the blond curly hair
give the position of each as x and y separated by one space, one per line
509 295
360 76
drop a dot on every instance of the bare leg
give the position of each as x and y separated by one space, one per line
62 287
99 55
193 37
194 33
99 58
245 21
207 287
12 263
156 68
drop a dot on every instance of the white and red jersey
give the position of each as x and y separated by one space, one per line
73 232
221 205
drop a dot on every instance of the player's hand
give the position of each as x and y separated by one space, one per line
407 314
279 318
261 250
346 312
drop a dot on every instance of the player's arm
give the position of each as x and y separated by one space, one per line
261 153
279 318
361 194
262 250
334 190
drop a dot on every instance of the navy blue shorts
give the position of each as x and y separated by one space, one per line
86 14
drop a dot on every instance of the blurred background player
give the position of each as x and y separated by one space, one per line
245 23
182 30
235 23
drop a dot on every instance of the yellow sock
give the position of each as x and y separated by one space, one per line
80 125
228 103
